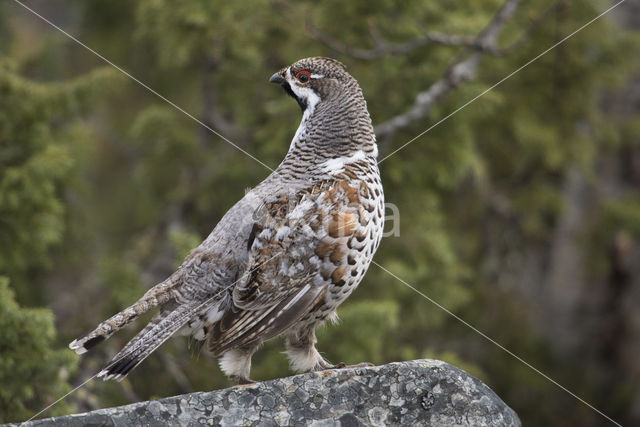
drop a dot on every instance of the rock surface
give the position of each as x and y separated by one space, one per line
424 392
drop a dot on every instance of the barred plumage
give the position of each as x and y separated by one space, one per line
284 257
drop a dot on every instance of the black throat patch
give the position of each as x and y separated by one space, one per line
301 102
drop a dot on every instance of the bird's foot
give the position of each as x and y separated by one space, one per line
357 365
241 380
326 365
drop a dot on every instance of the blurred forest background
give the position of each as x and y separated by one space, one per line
520 213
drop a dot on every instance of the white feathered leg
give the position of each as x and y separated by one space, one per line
302 353
236 363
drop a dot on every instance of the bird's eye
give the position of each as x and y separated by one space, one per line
303 76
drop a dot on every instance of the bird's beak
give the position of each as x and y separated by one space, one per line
277 78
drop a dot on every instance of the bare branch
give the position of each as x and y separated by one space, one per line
489 35
366 54
460 71
456 74
533 26
384 47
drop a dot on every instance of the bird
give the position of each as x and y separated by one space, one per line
285 256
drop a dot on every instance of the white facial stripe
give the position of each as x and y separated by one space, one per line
306 93
317 76
311 98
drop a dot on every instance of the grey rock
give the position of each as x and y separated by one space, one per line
419 392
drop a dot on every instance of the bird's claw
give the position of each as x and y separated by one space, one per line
241 380
343 365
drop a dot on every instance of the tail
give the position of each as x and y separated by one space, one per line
157 295
162 327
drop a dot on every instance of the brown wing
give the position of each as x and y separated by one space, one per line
298 250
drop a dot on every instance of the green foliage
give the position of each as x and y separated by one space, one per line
183 242
35 163
122 196
623 215
32 372
615 223
359 322
38 145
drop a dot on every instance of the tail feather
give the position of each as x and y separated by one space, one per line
157 295
161 328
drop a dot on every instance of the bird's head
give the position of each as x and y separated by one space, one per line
335 121
313 80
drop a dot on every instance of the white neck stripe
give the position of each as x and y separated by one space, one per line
311 99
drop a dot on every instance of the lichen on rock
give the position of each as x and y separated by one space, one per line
425 392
